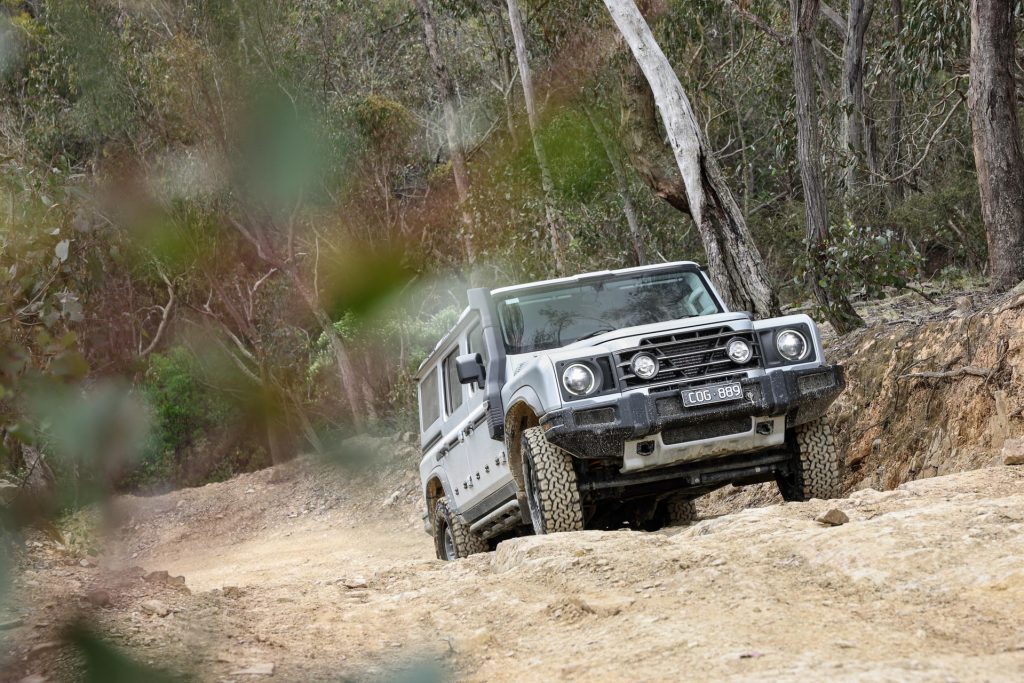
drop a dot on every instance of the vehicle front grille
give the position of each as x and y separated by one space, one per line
688 358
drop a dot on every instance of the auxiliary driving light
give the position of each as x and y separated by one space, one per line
644 365
739 351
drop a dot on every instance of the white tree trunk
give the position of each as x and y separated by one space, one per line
676 114
515 20
446 88
733 259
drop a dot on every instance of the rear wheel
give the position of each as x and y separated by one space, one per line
814 471
551 491
679 511
452 538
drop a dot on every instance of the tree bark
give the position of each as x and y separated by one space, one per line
733 260
623 185
515 20
997 143
446 89
803 18
892 155
854 130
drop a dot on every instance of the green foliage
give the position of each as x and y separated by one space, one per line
868 259
579 165
183 409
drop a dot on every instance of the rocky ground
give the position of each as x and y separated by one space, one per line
314 571
925 582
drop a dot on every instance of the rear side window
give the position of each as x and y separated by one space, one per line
452 386
430 405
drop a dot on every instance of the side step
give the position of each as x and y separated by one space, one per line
500 520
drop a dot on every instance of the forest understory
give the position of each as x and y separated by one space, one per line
309 572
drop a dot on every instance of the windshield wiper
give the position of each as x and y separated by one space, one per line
595 333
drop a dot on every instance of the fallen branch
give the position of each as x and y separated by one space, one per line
970 370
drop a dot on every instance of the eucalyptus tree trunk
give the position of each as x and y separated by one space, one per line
623 185
803 18
892 155
997 144
446 89
515 20
854 131
733 259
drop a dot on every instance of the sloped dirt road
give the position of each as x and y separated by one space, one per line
923 583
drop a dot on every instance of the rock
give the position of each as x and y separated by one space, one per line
156 607
233 592
391 500
355 583
1013 452
98 598
11 623
833 517
165 579
86 562
256 669
42 648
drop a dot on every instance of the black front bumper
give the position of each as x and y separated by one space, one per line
601 431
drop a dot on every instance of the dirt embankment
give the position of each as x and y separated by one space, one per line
933 388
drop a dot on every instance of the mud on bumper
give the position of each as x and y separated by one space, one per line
600 432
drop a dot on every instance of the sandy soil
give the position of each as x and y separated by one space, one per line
923 583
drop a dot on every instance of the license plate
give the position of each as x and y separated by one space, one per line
712 393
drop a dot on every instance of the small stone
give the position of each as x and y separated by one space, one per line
1013 452
86 562
256 669
98 598
354 583
156 607
391 500
233 592
833 517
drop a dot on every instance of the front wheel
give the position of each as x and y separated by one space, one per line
814 470
551 490
453 539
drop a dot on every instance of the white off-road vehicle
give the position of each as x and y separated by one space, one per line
615 399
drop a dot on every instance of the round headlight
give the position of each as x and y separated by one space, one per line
644 365
578 379
791 345
739 351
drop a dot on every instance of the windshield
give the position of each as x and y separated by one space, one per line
556 317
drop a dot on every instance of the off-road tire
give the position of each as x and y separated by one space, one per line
551 490
815 466
679 511
463 542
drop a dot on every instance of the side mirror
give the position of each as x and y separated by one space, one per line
470 368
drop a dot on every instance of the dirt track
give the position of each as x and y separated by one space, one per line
924 583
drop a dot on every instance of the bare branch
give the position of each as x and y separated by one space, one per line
165 317
758 23
970 370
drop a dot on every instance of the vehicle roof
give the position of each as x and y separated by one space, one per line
542 284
